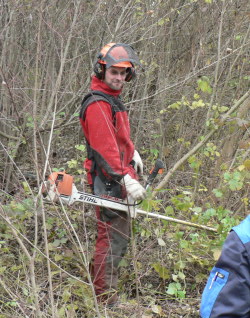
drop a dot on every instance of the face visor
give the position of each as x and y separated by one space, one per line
119 55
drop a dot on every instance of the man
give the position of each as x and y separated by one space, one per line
112 164
227 292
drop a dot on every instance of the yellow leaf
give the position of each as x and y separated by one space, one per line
241 167
216 254
161 242
157 309
247 163
58 257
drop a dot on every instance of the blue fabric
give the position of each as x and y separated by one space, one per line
230 297
216 281
243 230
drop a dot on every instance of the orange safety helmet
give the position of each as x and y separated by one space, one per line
119 55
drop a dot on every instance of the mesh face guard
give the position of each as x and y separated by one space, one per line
119 53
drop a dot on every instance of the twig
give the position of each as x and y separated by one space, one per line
8 222
223 119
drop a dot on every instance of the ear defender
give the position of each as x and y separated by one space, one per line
130 74
99 70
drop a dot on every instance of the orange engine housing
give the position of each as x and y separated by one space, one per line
63 182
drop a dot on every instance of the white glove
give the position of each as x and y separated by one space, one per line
138 163
49 191
133 188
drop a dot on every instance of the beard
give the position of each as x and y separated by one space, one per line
115 85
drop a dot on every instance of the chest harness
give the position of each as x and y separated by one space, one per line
116 106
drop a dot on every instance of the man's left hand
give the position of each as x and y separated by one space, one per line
138 165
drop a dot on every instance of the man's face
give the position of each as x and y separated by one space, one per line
115 77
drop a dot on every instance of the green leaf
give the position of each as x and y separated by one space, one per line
66 295
238 37
210 212
26 187
58 257
162 271
181 275
217 193
172 290
235 180
11 303
72 163
169 210
161 22
80 147
181 294
203 85
197 209
184 244
235 184
227 176
223 109
176 105
123 263
64 240
25 291
197 104
194 162
56 243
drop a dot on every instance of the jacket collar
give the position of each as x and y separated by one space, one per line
99 85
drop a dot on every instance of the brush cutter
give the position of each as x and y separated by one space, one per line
60 186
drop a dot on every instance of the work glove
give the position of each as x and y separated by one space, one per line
49 191
133 188
138 165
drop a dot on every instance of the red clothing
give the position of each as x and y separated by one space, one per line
111 245
109 137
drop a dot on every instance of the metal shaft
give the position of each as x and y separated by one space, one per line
167 218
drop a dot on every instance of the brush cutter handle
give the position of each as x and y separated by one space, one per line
159 165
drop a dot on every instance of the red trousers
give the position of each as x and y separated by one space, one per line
113 233
111 245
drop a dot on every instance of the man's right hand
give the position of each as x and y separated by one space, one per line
134 188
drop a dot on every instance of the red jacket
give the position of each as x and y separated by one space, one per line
108 136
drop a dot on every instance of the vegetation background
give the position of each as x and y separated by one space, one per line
189 106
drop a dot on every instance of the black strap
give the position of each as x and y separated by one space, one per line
93 96
116 106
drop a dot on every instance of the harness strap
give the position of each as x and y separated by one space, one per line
93 96
116 106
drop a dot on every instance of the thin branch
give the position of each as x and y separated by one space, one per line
217 66
8 222
9 136
223 119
